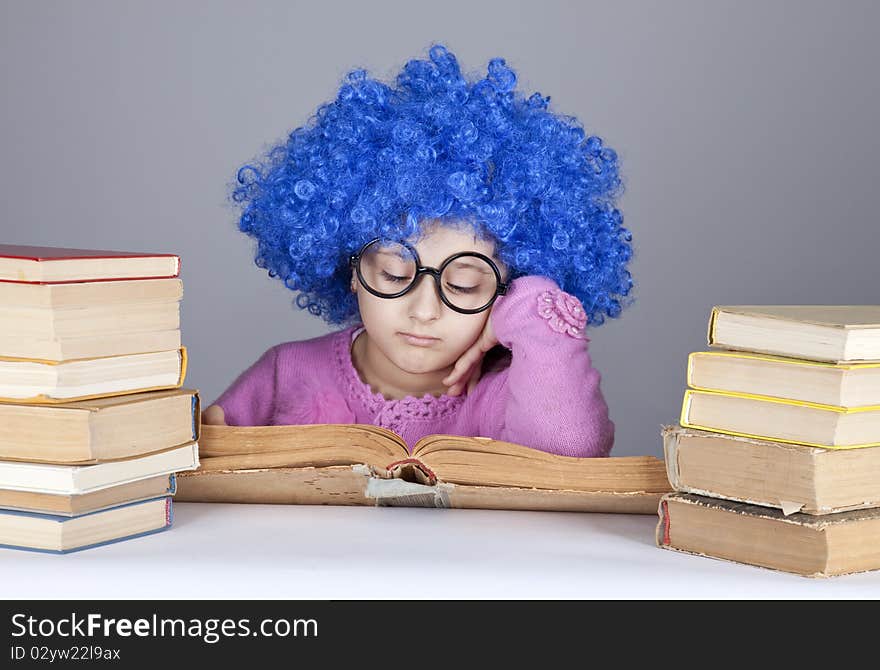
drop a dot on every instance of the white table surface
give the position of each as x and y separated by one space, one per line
324 552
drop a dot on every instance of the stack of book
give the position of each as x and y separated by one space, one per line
776 461
94 422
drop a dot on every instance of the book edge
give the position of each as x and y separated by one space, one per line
743 310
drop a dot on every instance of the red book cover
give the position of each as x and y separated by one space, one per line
22 264
58 253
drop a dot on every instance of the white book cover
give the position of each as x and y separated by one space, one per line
74 479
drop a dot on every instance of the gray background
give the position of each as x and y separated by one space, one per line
747 133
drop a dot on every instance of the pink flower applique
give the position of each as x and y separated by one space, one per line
564 312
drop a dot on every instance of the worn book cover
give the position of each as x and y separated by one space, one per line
792 478
812 546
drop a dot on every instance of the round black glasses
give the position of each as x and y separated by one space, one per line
468 282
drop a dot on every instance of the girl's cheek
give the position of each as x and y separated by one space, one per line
468 333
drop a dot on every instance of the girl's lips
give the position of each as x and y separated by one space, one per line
419 341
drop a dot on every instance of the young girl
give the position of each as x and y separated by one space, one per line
465 236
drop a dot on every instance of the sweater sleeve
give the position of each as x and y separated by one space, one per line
549 398
250 400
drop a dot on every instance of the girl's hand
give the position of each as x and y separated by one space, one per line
467 369
214 415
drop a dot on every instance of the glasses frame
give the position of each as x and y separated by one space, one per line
500 288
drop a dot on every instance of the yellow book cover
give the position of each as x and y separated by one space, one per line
846 385
789 421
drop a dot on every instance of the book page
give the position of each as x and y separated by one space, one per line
315 445
840 316
483 461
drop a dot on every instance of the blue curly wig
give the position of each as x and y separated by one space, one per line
380 160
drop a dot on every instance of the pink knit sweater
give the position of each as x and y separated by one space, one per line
547 396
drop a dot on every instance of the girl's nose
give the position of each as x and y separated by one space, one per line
424 300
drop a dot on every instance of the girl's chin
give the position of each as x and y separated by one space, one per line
420 365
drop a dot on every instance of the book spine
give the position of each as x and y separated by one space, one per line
432 478
196 416
398 492
710 334
685 409
670 449
183 362
663 526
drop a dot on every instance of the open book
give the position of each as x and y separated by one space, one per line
360 464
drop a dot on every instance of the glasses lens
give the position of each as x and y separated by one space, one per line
469 282
387 267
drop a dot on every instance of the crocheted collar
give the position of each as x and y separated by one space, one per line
410 407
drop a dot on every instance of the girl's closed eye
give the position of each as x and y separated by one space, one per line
394 278
461 289
466 281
